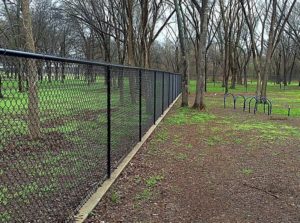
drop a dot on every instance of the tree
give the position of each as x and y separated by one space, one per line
33 100
277 15
201 46
184 62
1 94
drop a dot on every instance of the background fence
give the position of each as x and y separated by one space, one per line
65 124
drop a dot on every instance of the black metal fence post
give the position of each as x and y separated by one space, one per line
108 76
169 88
163 93
140 105
154 116
176 79
173 93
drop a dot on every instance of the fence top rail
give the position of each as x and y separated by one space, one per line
38 56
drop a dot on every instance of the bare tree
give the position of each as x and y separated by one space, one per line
203 14
33 100
184 62
278 15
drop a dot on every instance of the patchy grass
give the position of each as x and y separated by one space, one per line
145 195
214 140
269 130
188 116
115 197
181 156
247 171
208 157
5 216
153 181
190 146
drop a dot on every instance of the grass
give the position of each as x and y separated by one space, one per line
281 99
74 101
153 180
214 140
181 156
247 171
145 195
190 146
188 116
269 131
150 183
115 197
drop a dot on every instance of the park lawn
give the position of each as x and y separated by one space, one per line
222 165
281 98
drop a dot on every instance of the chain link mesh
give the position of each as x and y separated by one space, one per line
54 130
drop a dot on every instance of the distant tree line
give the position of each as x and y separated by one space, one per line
222 40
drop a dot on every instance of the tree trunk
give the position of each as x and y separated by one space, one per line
1 85
130 48
184 63
19 74
267 67
121 86
292 69
49 71
33 100
199 100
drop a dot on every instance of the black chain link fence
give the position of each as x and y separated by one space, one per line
65 124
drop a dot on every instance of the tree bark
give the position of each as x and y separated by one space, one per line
184 63
199 100
270 46
33 100
1 85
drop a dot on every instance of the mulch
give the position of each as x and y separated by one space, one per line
206 183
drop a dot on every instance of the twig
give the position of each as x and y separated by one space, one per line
260 189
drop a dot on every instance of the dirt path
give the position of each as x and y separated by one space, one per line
221 166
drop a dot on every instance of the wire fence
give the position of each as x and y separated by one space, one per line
65 124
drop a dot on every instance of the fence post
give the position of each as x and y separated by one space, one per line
140 105
108 76
154 116
163 93
169 88
176 86
173 93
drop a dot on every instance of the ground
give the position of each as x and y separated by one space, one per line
222 165
49 178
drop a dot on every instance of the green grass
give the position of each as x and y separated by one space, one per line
214 140
5 216
247 171
145 195
153 180
115 197
188 116
280 98
181 156
269 131
71 100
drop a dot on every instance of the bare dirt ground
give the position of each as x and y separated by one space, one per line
219 166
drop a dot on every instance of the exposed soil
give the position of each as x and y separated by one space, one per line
213 171
45 180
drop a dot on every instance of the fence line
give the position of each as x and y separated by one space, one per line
65 124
